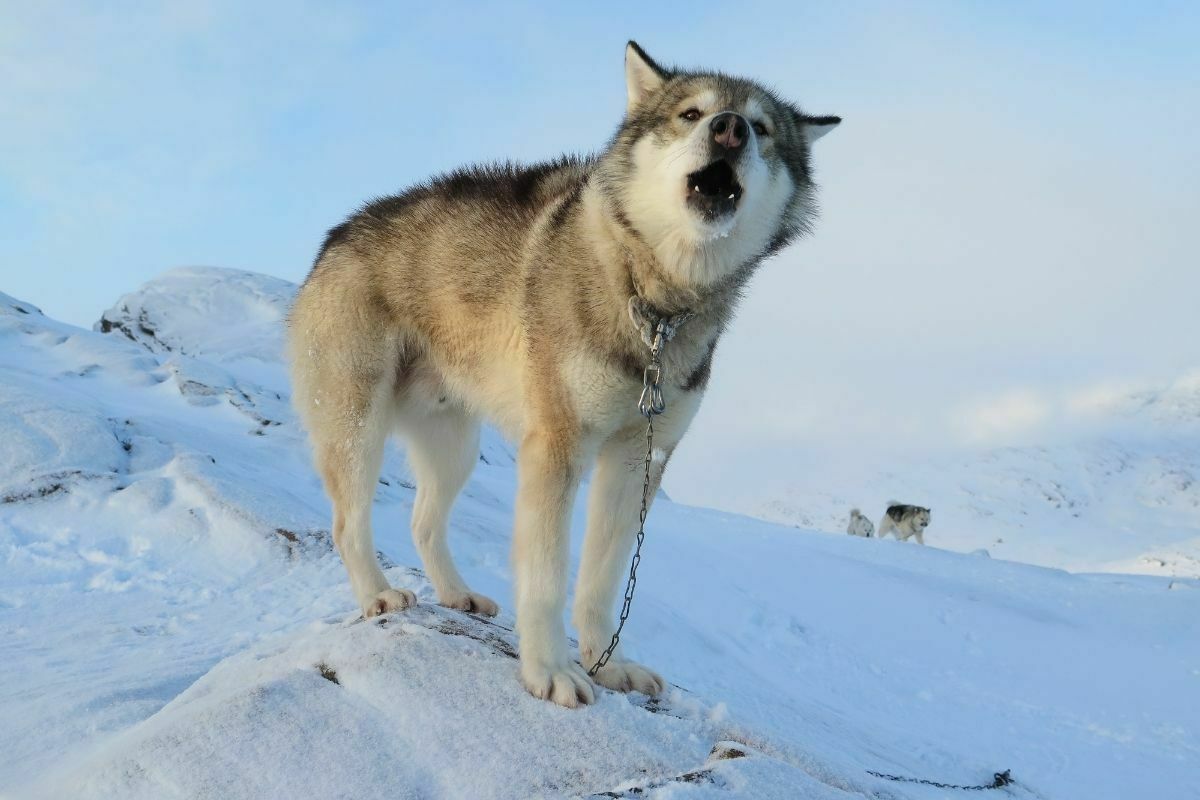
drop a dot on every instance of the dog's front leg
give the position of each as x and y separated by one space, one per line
616 496
548 468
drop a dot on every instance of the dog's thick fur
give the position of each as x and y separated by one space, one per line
905 522
503 293
859 524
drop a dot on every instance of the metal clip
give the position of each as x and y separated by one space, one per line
660 331
652 401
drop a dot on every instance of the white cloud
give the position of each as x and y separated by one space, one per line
1013 415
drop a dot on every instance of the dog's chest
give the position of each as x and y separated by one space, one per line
606 391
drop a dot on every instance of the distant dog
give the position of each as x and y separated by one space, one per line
905 521
525 296
859 524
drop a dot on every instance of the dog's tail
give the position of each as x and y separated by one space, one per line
854 512
891 503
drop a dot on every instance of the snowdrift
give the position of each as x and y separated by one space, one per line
423 704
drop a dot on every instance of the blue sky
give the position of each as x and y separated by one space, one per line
1009 208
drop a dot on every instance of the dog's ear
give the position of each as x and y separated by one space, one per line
642 75
816 127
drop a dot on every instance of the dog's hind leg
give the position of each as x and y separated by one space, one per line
349 455
343 373
616 496
443 446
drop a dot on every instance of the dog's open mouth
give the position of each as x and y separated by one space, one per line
714 191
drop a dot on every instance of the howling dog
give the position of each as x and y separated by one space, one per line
515 295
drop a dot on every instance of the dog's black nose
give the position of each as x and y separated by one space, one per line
729 130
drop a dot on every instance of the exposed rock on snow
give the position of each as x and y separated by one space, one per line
218 314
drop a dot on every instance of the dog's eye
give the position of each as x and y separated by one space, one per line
691 115
760 129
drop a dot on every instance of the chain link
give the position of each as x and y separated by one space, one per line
999 780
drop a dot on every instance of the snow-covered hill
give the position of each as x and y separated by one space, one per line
174 622
1120 493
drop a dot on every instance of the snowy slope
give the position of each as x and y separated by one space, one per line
1120 495
174 622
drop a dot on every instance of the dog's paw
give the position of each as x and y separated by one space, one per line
566 684
471 602
390 600
629 676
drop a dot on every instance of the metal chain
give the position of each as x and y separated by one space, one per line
650 404
999 780
637 553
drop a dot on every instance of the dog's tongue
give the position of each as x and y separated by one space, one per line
715 180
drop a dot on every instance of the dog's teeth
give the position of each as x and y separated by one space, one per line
696 188
730 197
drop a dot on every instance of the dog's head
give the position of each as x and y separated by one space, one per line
921 518
711 170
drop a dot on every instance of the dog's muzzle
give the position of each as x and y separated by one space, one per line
713 192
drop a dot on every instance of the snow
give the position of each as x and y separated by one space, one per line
1120 494
425 702
173 617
